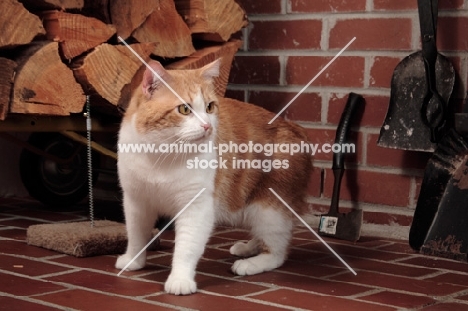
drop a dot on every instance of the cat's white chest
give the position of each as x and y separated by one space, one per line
161 175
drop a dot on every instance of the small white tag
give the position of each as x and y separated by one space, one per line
328 224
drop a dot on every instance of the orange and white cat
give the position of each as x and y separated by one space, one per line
156 184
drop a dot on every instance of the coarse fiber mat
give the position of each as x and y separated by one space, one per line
80 239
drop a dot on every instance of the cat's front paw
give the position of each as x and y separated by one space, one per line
123 260
180 286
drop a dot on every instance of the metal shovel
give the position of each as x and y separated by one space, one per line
421 87
438 186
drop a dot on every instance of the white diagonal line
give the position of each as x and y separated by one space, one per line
161 79
313 79
312 230
161 231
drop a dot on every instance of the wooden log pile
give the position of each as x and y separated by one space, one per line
55 52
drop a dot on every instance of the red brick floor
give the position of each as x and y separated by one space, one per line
390 276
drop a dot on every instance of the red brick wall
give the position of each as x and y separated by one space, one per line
289 41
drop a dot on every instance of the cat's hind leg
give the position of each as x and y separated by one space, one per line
272 230
242 249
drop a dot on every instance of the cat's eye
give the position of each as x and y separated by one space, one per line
210 107
184 109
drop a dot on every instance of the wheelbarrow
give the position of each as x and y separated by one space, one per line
53 162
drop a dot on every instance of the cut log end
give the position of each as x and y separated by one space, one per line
76 33
166 27
6 84
209 54
107 69
83 55
18 25
212 20
43 84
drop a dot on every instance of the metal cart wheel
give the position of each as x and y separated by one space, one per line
58 177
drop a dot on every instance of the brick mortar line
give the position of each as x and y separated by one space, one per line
10 239
327 25
73 268
142 275
439 271
258 301
368 63
390 243
37 301
45 221
351 297
376 169
444 271
220 245
110 294
101 271
332 52
430 275
459 293
453 297
366 207
417 255
284 6
321 90
364 148
413 194
2 228
271 286
216 276
70 286
351 15
8 219
396 232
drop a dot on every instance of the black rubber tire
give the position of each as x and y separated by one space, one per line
53 184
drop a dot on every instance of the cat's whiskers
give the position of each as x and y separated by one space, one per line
181 142
163 141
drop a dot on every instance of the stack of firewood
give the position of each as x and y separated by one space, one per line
55 52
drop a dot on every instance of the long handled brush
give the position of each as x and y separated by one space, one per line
82 239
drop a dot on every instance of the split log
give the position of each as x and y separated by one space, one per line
166 27
6 83
44 84
39 5
206 55
198 59
76 33
18 26
128 15
107 69
212 20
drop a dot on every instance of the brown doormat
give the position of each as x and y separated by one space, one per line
80 239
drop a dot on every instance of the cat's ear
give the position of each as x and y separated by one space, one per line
152 78
211 70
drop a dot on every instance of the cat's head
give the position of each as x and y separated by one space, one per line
177 105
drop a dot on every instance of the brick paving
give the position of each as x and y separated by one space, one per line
390 276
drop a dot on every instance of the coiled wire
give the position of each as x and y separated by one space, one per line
90 161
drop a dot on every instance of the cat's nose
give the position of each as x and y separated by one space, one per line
206 126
